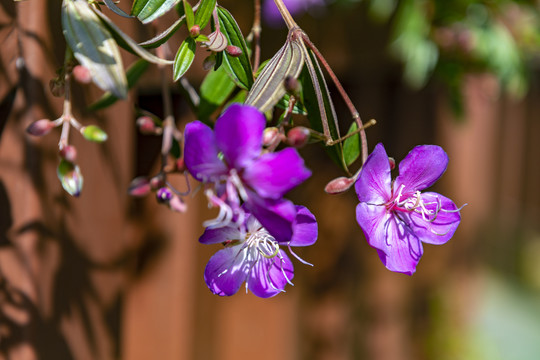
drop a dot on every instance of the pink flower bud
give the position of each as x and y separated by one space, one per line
392 162
234 51
270 135
40 127
146 125
139 187
195 30
156 182
180 165
82 74
298 136
69 153
339 185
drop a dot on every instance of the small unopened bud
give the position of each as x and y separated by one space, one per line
298 136
339 185
392 162
234 51
270 135
82 74
57 87
93 133
292 86
40 127
209 62
195 30
176 204
146 125
156 182
139 187
69 153
70 176
217 41
164 195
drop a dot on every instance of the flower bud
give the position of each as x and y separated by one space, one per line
292 86
57 87
209 62
177 204
82 74
270 135
298 136
180 165
234 51
93 133
392 162
217 42
339 185
68 153
146 125
156 182
139 187
195 30
164 195
70 176
40 127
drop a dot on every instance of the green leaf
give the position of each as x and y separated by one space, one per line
204 12
93 46
298 108
112 6
190 16
149 10
351 146
70 177
184 58
320 109
215 89
133 73
268 89
239 67
128 43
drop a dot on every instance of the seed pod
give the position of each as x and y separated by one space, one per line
69 153
234 51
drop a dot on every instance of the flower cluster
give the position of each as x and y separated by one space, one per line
248 185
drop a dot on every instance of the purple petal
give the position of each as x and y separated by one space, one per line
277 216
305 228
403 250
373 220
267 277
274 174
239 133
201 153
421 168
446 221
220 235
374 182
227 270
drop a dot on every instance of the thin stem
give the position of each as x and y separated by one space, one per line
256 33
285 14
168 122
352 109
66 113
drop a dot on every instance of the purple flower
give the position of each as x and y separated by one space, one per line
395 216
252 255
296 7
231 161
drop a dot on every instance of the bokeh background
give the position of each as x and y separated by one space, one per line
106 276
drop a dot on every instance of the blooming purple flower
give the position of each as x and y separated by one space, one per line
231 161
395 216
252 255
296 7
